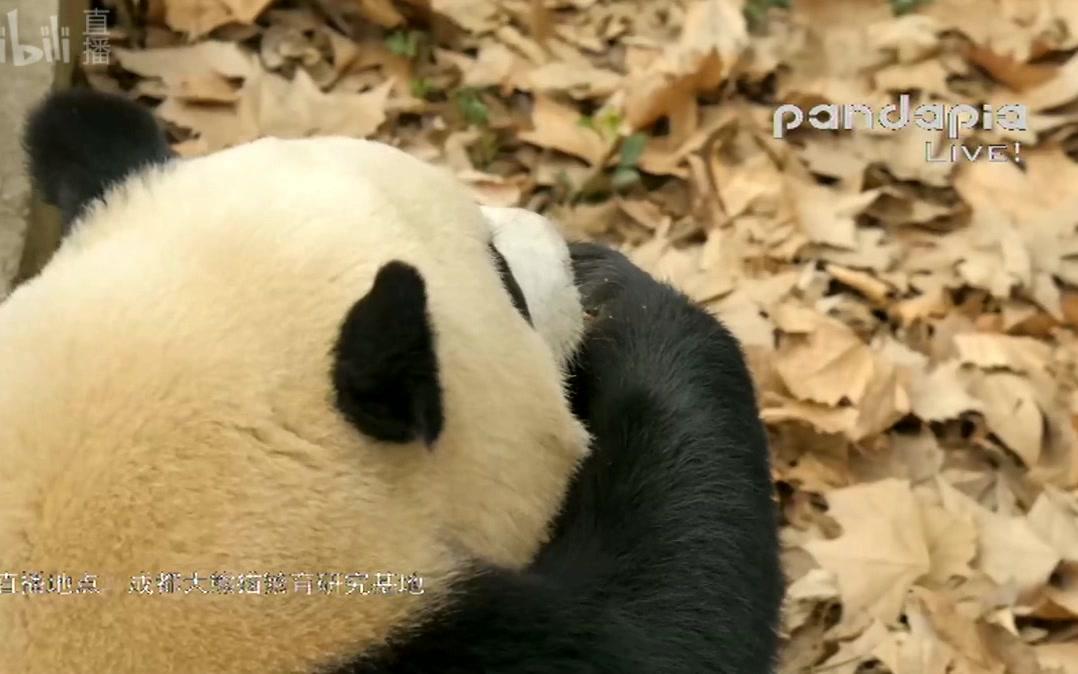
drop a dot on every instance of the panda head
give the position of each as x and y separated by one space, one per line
291 357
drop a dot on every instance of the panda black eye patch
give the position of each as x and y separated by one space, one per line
510 283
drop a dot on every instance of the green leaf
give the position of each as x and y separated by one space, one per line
404 42
421 87
755 11
485 149
604 122
563 183
609 120
631 149
624 178
899 7
472 107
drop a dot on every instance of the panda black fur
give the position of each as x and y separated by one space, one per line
664 555
126 141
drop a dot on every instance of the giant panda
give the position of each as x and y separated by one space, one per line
299 358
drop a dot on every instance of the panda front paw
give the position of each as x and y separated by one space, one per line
603 276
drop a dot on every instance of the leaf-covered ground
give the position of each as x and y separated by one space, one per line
911 324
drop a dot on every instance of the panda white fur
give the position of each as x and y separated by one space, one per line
292 356
298 356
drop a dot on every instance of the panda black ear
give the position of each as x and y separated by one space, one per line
79 142
385 371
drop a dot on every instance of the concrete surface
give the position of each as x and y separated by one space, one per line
22 86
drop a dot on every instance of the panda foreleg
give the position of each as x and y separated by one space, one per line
670 529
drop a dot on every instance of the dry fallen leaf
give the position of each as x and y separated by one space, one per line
476 16
853 653
942 393
815 586
952 543
950 640
273 106
988 351
199 17
381 12
169 63
1010 407
195 17
1054 517
558 127
1062 656
882 550
827 365
1009 550
826 216
713 38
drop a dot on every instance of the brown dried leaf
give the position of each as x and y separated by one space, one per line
712 40
246 11
1008 70
475 16
914 457
803 594
827 216
1063 657
381 12
946 636
579 79
823 418
558 127
1060 88
871 287
952 543
1009 404
211 57
198 17
1063 591
1054 516
942 393
828 365
990 351
852 654
882 550
492 190
884 402
274 106
1008 549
